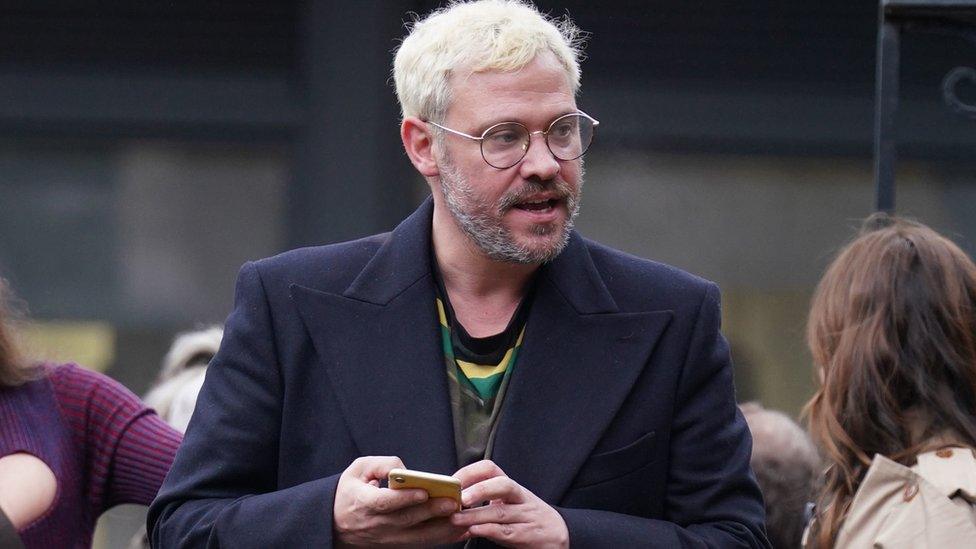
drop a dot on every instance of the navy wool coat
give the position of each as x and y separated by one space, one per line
620 412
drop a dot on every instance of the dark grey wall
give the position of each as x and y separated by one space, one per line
148 148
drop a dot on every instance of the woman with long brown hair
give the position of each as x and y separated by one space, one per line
892 331
12 373
13 369
72 444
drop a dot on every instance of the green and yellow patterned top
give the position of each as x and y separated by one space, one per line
481 379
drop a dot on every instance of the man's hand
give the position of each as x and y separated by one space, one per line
365 514
514 516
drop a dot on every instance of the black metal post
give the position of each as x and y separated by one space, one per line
894 16
886 106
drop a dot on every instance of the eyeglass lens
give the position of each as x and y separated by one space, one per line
568 138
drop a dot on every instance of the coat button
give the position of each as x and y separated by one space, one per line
911 489
944 453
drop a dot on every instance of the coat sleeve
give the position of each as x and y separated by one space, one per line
712 498
222 490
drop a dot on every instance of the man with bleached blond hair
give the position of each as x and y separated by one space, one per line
580 396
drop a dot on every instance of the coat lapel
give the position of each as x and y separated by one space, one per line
579 359
380 342
379 338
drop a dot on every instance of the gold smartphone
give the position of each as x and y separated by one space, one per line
436 486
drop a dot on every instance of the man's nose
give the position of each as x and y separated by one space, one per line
539 161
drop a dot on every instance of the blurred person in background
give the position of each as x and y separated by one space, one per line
174 394
892 330
73 443
787 468
611 423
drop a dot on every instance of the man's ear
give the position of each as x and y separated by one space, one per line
419 144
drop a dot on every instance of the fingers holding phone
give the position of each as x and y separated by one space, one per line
366 514
514 516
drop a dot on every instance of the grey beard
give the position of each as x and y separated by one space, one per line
493 239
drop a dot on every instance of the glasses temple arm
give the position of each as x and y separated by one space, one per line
455 132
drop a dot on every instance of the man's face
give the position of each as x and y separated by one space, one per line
522 214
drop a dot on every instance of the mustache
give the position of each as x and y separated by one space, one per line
562 190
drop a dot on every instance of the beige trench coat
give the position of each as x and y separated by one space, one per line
929 505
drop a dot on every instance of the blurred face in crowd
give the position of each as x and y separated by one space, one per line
523 213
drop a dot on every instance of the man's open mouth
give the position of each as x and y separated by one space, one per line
537 205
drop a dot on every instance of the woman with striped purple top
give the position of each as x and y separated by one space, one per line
73 443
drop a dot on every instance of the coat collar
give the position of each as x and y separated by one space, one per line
381 348
895 505
399 263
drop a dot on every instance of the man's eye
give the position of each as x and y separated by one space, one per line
564 129
504 137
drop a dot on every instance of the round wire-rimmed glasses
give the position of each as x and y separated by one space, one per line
505 144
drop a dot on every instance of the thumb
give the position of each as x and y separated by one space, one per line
371 468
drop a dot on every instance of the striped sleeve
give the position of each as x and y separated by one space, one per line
127 449
142 458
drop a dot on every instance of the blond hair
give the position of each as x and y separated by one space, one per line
174 394
483 35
